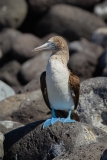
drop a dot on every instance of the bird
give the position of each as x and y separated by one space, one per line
60 87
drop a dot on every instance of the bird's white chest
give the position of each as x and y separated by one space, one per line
57 77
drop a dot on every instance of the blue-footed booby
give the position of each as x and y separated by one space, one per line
59 86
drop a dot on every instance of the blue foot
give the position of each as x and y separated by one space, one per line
62 119
50 122
47 123
68 120
54 120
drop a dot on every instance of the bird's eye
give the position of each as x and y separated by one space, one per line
53 44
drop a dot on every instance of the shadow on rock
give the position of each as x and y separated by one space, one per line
14 136
104 156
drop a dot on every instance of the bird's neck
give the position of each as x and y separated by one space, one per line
61 55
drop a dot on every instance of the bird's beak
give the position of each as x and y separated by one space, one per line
46 46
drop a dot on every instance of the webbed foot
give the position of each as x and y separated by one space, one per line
50 122
62 119
47 123
68 120
54 120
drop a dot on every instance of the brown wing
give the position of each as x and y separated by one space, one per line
59 113
44 88
75 88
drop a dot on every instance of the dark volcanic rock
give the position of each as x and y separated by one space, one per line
8 73
42 6
84 57
73 141
82 65
68 21
104 72
23 46
100 36
89 48
102 63
93 102
24 108
101 9
1 54
12 13
12 67
31 86
34 67
8 79
7 37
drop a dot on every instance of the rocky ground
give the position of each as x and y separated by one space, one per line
24 25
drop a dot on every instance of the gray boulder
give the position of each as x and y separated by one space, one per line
71 141
9 72
7 126
23 45
34 67
68 21
92 107
89 48
24 108
100 36
101 10
5 91
42 6
7 37
12 13
82 65
84 57
1 54
31 86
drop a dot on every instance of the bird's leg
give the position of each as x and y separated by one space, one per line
54 118
51 121
68 119
53 113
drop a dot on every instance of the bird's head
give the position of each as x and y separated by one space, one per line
54 44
